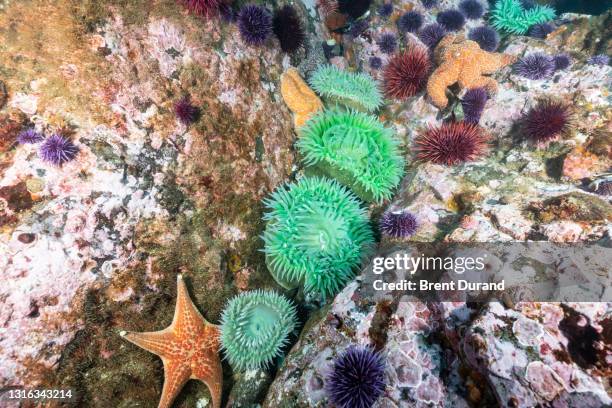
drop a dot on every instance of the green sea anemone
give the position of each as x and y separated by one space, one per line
355 90
355 149
317 233
255 327
512 17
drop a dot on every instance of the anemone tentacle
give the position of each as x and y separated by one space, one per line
255 327
317 232
356 90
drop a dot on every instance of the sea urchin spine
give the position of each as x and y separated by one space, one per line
254 24
452 20
185 111
30 136
406 73
473 103
204 8
357 378
451 143
387 43
547 121
486 37
410 22
398 224
535 66
562 61
472 9
58 150
431 34
288 29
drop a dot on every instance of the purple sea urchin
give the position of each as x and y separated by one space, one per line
486 37
358 27
452 20
431 34
254 24
451 143
375 63
288 28
541 30
562 61
354 8
57 150
185 111
398 224
429 3
204 8
547 121
535 66
472 9
387 43
600 60
385 10
30 136
473 103
604 188
410 22
357 379
227 13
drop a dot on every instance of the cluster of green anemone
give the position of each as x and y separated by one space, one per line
318 230
511 16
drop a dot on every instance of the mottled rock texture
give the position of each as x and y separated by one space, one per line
95 246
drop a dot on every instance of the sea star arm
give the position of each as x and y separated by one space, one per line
211 374
446 41
444 76
475 80
159 342
494 62
187 319
175 377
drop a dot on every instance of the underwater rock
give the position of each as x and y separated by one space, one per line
537 342
3 94
95 245
146 198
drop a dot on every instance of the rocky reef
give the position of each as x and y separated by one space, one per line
177 128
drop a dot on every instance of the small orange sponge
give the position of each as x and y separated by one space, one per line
302 101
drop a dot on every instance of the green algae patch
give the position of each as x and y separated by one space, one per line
41 51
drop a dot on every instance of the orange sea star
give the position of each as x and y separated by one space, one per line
462 61
189 349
